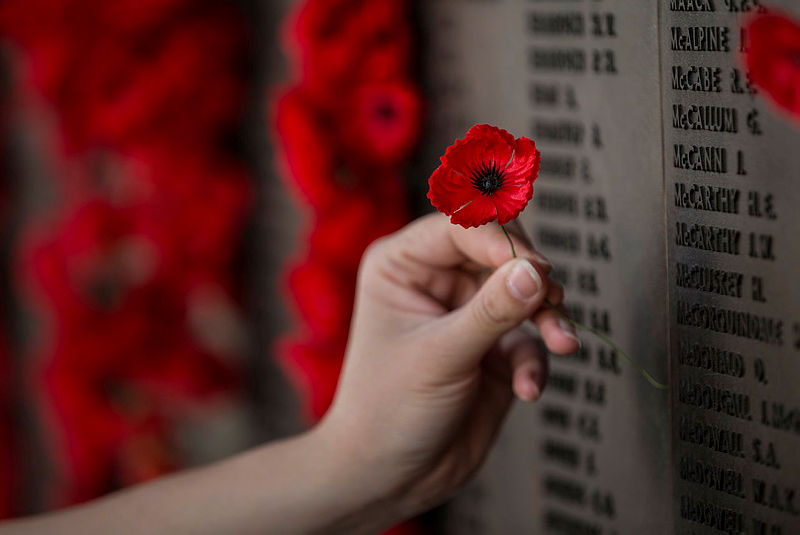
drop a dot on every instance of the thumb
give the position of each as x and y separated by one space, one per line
507 298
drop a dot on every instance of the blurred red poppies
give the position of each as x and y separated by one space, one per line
150 205
346 125
773 58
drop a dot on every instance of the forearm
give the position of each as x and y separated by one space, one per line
292 486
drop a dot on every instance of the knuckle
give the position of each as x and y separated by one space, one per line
491 310
375 251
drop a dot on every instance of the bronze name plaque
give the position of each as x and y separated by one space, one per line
667 203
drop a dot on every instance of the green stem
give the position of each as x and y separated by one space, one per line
596 334
612 345
511 243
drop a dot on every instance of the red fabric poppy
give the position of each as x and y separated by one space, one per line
487 175
339 44
773 58
382 122
307 160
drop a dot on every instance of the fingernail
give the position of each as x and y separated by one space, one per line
542 261
569 330
524 281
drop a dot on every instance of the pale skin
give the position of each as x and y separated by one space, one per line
434 360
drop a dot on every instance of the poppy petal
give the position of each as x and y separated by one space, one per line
482 131
479 212
483 145
510 200
525 163
450 191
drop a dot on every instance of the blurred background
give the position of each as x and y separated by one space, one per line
186 188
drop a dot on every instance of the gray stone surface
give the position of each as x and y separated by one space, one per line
604 451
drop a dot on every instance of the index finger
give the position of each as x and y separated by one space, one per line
434 241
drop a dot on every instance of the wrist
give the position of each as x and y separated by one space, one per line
350 488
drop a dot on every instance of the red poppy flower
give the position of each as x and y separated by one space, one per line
487 175
308 172
773 58
382 122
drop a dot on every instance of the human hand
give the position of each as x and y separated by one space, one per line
434 359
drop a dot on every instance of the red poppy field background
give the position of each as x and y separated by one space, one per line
187 189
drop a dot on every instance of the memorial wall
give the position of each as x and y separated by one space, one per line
666 202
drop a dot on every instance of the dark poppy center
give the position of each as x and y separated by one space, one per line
385 111
488 178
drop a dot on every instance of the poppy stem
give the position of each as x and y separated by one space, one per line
511 243
612 345
598 335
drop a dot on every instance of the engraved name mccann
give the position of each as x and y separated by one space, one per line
708 118
703 158
701 39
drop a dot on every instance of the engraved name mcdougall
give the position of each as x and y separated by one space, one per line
732 322
715 399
